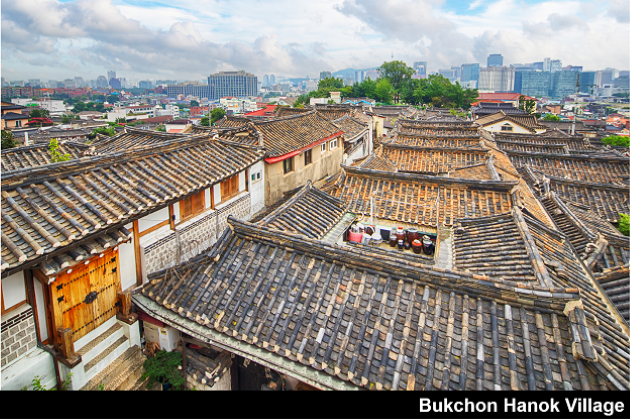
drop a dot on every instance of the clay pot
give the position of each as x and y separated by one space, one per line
416 246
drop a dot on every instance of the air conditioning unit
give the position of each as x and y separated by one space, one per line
167 337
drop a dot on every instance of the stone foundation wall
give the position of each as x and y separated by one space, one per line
18 334
186 243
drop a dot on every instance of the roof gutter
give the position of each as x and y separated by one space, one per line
276 159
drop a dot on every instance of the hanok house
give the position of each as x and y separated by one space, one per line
281 299
511 123
12 120
301 147
77 236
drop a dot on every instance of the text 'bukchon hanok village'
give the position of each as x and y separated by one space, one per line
316 248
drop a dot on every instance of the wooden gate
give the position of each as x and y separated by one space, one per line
87 296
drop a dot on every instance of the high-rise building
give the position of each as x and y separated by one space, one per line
588 81
272 80
563 84
538 65
372 74
265 80
546 64
79 82
470 72
359 76
532 83
145 84
420 67
111 74
495 60
496 79
348 81
450 74
101 82
555 65
572 68
233 83
608 75
324 74
113 83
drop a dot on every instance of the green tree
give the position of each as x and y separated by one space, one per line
8 141
624 224
617 141
205 121
194 103
39 113
384 90
65 119
527 105
106 131
112 99
160 128
78 107
397 73
55 154
216 115
551 117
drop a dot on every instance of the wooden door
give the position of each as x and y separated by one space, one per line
86 297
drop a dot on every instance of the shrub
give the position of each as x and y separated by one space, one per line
617 141
163 367
624 224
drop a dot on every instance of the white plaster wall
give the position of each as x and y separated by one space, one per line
127 257
241 181
13 289
42 314
496 128
176 212
217 194
153 219
257 188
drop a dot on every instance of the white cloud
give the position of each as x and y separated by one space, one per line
188 39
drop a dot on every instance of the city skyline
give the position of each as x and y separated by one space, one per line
148 40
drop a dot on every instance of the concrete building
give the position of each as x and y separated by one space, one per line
470 72
532 83
420 67
495 60
496 79
233 83
324 74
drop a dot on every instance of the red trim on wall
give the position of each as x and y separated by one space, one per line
276 159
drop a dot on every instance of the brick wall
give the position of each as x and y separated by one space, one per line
188 242
18 334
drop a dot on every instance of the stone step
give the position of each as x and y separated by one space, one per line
106 357
112 368
95 347
128 376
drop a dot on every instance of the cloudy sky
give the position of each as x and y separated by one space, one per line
189 39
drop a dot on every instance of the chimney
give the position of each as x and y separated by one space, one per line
26 138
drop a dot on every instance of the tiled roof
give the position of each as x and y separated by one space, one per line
421 199
528 122
284 111
496 246
350 126
371 321
435 141
47 209
459 129
575 167
309 212
14 116
131 139
573 143
376 161
289 134
431 160
44 136
231 121
36 155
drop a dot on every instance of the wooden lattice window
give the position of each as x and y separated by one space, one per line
229 188
192 205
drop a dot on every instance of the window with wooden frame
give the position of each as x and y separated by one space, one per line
229 188
308 157
324 147
287 165
192 205
506 127
17 296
